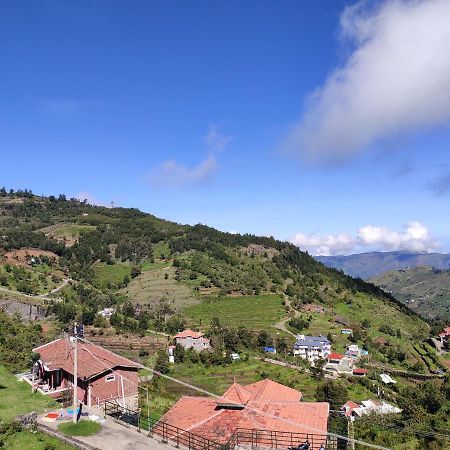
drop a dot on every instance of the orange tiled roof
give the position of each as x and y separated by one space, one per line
188 333
270 391
264 404
59 355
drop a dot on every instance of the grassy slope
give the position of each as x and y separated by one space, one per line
16 397
67 230
115 273
151 286
254 312
426 291
31 440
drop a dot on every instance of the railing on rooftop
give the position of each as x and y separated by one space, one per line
242 437
280 439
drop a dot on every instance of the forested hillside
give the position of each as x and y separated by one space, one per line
425 290
62 260
161 275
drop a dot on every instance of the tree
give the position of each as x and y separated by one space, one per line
332 392
179 353
162 362
264 339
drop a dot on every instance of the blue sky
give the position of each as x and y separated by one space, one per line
201 111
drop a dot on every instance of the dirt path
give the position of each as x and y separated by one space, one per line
281 325
56 289
40 296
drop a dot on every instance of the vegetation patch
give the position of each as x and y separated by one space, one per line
16 397
255 312
112 274
13 437
81 428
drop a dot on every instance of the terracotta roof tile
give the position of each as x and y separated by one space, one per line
59 354
266 402
188 333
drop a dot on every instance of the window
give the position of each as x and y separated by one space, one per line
110 378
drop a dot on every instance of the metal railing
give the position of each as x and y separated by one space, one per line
164 430
280 439
241 437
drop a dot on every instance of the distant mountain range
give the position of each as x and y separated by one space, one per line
368 265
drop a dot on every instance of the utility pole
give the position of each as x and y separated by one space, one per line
75 375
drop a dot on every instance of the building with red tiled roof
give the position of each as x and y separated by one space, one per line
192 339
102 375
265 405
334 358
360 372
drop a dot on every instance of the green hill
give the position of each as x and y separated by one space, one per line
423 289
162 275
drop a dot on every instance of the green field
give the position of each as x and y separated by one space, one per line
152 286
157 265
16 397
71 230
255 311
112 273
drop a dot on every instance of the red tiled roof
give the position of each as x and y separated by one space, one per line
188 333
268 406
335 356
270 391
359 371
59 354
349 407
235 394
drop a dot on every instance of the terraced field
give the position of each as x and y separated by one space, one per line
152 285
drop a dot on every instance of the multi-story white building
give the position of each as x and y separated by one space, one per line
312 348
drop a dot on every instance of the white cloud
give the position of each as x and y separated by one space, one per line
171 173
415 237
395 81
329 244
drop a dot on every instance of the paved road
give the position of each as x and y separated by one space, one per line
114 436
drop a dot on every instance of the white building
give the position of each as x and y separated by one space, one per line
312 348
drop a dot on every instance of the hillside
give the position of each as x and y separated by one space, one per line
63 261
424 290
368 265
159 275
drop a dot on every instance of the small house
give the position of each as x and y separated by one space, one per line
101 374
357 372
192 339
